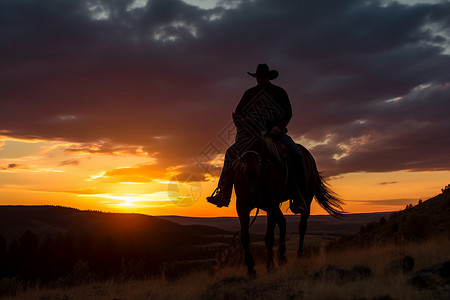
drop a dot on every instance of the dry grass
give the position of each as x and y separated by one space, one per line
296 280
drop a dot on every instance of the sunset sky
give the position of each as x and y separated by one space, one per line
126 105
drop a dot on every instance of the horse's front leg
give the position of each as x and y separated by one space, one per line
302 230
281 221
269 239
244 219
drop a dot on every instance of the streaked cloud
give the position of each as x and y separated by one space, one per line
388 182
106 147
73 162
14 166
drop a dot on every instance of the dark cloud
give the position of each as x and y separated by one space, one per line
73 162
105 147
14 166
168 75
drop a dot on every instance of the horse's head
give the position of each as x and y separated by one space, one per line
248 140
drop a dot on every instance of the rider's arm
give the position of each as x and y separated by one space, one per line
287 110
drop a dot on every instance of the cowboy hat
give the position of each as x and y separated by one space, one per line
263 70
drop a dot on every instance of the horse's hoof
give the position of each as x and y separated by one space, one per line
282 261
251 274
270 266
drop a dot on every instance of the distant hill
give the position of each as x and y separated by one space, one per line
51 243
44 220
53 220
317 224
416 223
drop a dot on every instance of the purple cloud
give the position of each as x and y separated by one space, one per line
370 78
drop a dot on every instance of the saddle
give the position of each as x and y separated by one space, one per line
280 154
277 150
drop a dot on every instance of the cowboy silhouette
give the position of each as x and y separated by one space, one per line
269 109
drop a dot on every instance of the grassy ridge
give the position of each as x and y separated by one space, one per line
324 275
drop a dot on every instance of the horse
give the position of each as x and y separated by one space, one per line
261 182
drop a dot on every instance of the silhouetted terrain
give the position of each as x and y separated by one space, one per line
416 223
48 243
403 255
53 220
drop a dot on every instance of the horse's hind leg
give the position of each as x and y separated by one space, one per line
269 239
302 230
245 240
281 221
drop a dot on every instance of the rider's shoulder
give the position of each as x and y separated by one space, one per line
271 88
252 91
276 87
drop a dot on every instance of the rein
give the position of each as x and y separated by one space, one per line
250 151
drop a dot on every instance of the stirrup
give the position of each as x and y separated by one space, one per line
217 198
216 191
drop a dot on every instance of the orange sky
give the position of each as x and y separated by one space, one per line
126 105
45 173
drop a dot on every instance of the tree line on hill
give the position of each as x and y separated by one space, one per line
416 223
69 260
57 246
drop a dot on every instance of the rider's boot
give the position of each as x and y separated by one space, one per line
222 194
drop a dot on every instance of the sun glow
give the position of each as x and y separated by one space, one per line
129 201
125 200
42 172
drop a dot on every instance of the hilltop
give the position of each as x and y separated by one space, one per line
54 220
415 223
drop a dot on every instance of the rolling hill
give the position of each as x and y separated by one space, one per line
47 243
427 219
54 220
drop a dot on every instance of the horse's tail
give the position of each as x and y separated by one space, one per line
327 198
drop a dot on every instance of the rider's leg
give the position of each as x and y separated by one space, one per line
292 146
222 195
300 172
